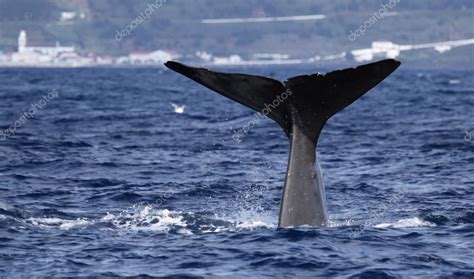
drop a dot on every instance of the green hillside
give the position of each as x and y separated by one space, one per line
176 24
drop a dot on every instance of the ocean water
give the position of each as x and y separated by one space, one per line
103 178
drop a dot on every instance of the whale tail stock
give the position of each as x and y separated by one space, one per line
301 106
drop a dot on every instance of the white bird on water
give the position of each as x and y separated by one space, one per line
178 108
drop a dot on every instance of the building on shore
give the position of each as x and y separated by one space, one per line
34 55
156 57
387 49
3 57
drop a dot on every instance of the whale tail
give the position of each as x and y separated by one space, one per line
301 106
306 101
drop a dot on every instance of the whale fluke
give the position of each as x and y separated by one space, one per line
305 103
252 91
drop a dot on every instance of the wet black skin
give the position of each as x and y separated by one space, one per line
310 101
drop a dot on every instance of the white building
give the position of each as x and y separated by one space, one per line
39 55
386 49
3 57
217 60
233 59
67 16
155 57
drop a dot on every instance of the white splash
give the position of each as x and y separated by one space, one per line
63 224
406 223
253 224
147 218
454 81
339 223
249 220
178 108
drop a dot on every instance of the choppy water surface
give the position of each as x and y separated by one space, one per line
106 179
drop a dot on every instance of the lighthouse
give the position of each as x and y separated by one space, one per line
22 41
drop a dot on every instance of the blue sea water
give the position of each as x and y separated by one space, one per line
105 179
